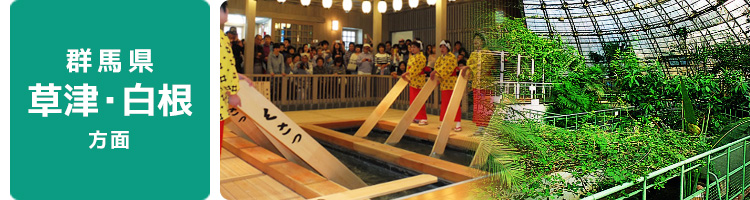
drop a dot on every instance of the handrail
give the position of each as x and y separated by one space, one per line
661 171
573 121
592 112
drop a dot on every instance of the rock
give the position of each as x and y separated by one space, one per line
587 182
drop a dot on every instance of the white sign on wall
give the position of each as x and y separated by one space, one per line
405 35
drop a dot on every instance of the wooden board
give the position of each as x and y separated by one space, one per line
379 111
245 123
450 113
286 131
286 152
411 112
383 188
463 190
244 126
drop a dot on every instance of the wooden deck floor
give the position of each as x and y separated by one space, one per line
240 180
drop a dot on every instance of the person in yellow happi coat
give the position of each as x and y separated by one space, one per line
446 69
228 76
416 75
480 65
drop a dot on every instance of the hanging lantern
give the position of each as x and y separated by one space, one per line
366 7
431 2
397 4
413 3
305 2
281 1
327 3
382 6
347 5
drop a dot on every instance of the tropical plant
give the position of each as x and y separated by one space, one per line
596 158
579 92
724 56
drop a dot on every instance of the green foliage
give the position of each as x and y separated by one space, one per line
502 158
579 92
688 113
581 86
642 84
687 106
719 84
655 93
613 157
733 132
677 116
725 56
552 57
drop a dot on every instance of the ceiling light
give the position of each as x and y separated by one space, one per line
413 3
397 4
382 6
366 7
347 4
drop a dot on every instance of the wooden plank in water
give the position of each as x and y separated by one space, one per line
410 113
417 162
446 127
383 188
283 129
379 111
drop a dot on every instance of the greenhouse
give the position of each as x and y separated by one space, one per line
470 99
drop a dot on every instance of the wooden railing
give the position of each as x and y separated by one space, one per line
313 92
